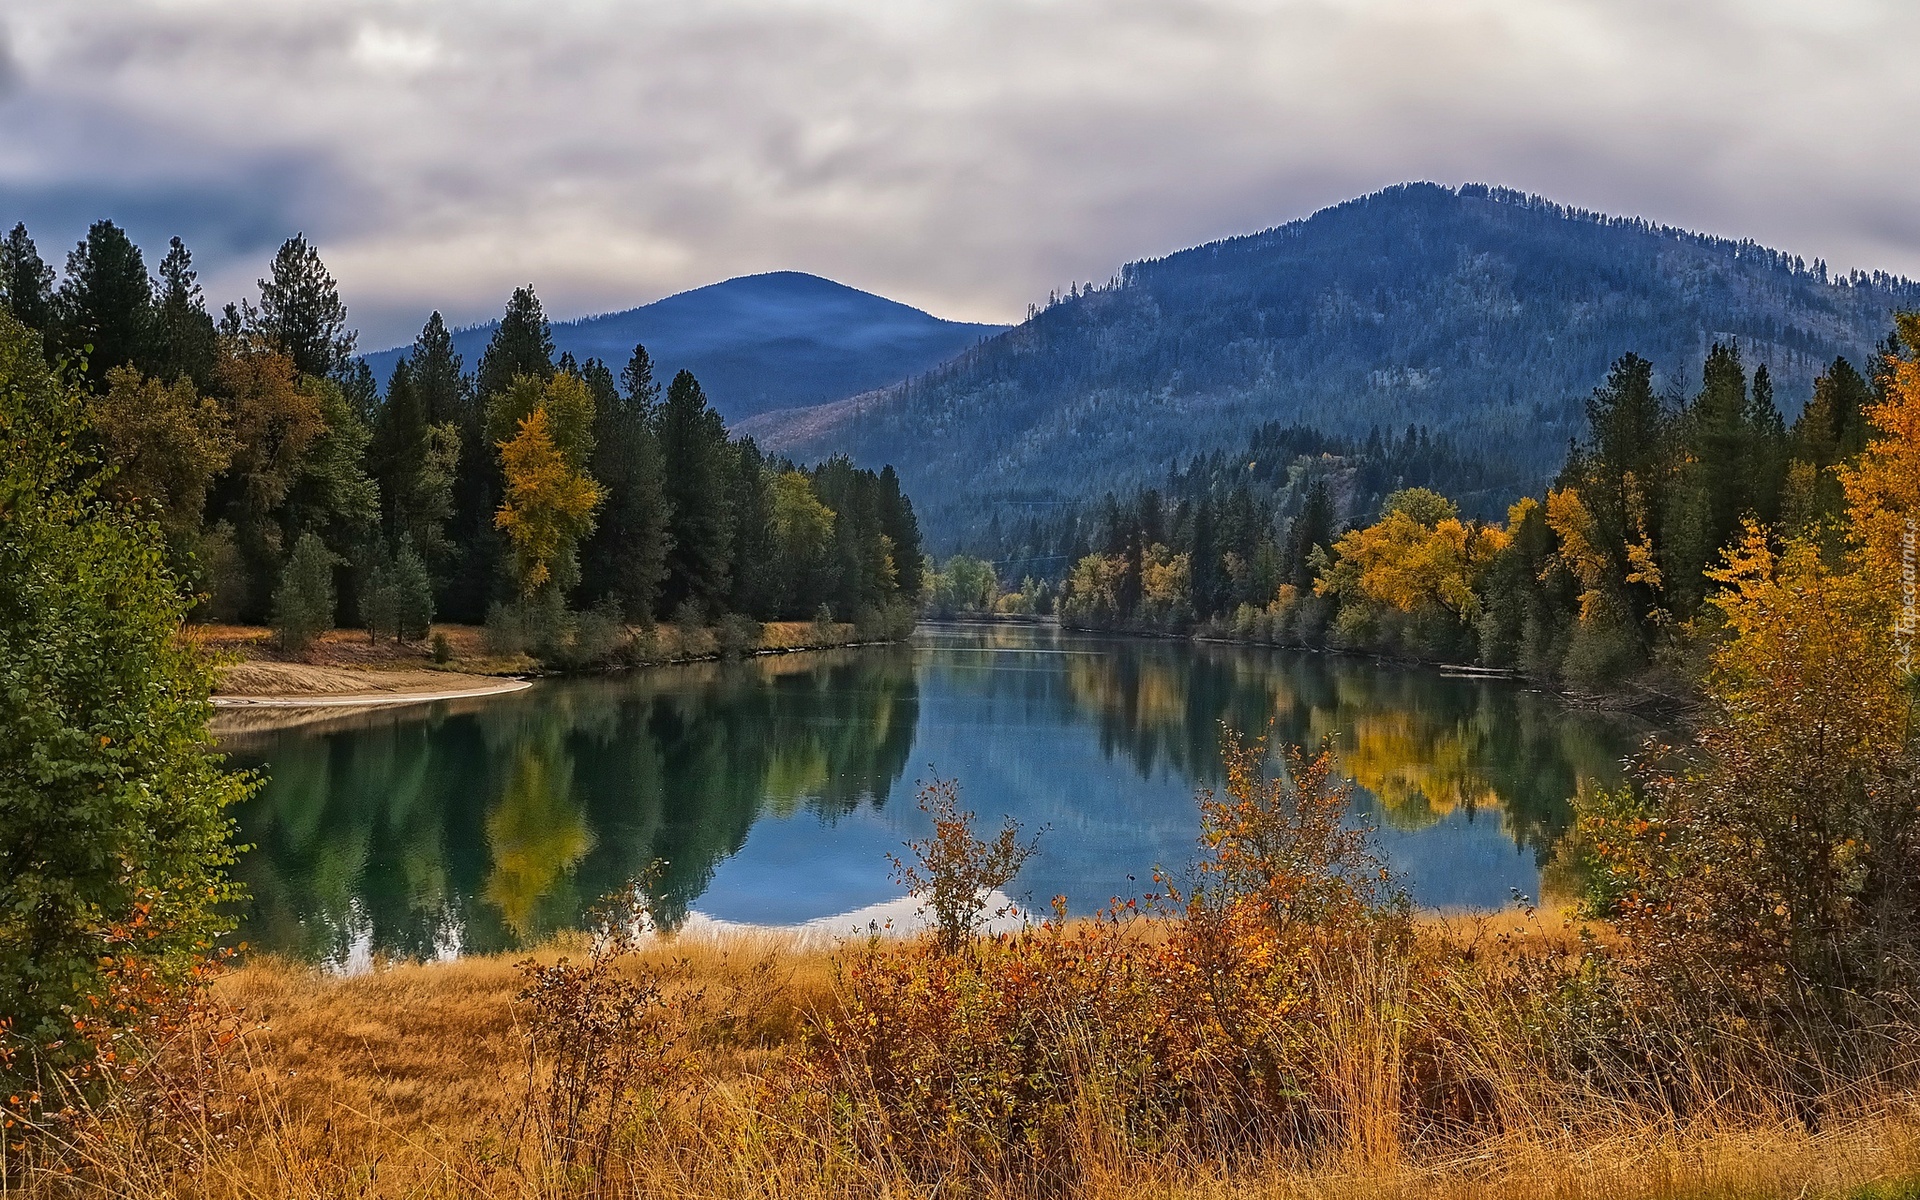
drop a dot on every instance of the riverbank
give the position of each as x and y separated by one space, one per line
421 1080
343 668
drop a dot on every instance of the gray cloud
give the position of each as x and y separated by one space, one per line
965 155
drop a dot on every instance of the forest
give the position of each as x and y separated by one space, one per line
1390 547
544 496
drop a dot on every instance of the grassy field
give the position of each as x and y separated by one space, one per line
428 1080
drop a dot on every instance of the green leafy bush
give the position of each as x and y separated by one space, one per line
112 803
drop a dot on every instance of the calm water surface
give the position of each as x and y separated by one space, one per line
774 789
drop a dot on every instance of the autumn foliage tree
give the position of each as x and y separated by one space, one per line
1774 868
548 508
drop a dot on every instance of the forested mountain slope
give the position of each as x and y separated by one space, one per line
759 341
1481 314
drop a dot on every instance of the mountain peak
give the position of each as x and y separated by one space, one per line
1478 312
756 342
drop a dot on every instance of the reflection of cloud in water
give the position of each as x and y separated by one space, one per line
901 917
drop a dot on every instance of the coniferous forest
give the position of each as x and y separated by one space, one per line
522 490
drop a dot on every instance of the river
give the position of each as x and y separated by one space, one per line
772 791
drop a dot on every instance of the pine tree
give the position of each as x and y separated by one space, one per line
903 531
522 344
106 302
303 603
626 557
412 594
693 445
1312 528
438 375
397 447
26 282
183 332
301 314
379 610
753 553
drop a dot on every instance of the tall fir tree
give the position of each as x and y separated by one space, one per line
438 375
693 445
902 529
755 558
626 557
301 314
26 281
522 344
184 340
106 302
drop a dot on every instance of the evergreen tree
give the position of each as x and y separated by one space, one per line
106 302
303 603
26 282
413 594
626 557
522 344
183 332
693 445
300 312
1312 528
753 553
1205 564
378 602
902 529
446 506
438 376
398 445
361 390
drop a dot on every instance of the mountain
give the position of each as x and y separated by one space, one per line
757 342
1481 314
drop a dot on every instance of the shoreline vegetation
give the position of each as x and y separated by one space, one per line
1600 584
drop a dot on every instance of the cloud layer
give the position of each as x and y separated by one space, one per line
963 155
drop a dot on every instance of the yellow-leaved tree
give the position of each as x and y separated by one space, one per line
1420 554
1777 868
549 505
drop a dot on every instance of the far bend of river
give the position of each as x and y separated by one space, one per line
774 789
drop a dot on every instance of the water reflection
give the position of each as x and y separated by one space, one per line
773 790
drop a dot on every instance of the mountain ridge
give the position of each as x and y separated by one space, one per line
778 339
1484 313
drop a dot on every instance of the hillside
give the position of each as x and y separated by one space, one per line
758 342
1477 313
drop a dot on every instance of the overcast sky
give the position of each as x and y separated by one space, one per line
965 156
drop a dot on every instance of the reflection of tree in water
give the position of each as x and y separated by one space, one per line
492 826
535 834
1422 745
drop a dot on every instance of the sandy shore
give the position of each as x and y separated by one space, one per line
304 685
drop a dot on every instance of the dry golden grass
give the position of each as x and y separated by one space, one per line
411 1081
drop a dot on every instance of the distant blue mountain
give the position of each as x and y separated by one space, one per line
758 342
